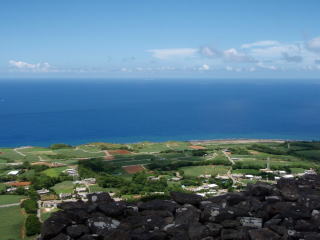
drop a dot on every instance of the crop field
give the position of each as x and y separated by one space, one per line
195 171
133 168
11 222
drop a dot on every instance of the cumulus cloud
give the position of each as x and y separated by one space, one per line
264 43
172 52
24 66
233 55
204 67
294 58
314 45
209 52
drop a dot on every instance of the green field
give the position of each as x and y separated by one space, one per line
11 222
64 187
195 171
8 199
54 172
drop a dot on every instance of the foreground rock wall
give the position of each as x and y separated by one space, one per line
288 210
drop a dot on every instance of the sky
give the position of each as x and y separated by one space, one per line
159 39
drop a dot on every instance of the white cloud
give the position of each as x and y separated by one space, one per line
172 52
293 58
264 43
209 52
24 66
204 67
233 55
314 45
268 67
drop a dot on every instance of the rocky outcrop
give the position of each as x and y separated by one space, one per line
288 210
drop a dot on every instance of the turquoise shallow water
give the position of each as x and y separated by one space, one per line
43 112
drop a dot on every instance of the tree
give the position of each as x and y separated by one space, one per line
33 225
30 206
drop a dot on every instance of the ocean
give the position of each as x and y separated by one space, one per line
42 112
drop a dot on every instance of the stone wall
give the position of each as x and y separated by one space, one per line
288 210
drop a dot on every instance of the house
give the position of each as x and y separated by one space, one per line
311 171
205 176
89 181
63 196
249 176
288 176
71 172
43 191
50 204
153 178
14 172
175 179
12 189
81 189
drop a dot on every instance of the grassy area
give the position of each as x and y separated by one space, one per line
63 187
8 199
96 188
45 215
54 172
11 221
297 170
195 171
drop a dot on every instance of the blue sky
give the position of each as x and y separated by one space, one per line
155 39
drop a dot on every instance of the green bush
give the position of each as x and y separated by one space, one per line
60 146
30 206
33 225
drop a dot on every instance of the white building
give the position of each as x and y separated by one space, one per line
43 191
13 172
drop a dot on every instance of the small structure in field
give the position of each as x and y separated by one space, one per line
13 172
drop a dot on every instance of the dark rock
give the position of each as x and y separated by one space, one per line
230 223
112 209
61 236
198 231
72 205
214 229
86 237
76 231
99 197
54 225
159 205
184 198
232 234
187 215
263 234
260 189
98 224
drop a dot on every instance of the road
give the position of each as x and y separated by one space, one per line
229 158
9 205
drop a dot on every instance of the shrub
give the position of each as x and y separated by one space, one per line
33 225
30 206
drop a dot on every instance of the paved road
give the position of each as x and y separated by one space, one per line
9 205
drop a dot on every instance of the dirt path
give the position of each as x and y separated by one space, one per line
20 153
229 158
9 205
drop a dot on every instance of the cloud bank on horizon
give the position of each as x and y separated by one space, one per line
128 39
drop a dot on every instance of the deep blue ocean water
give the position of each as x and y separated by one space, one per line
43 112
